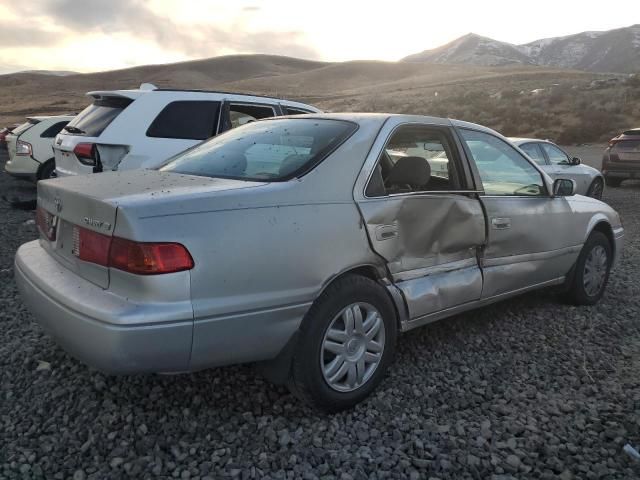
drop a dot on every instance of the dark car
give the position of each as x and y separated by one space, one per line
621 159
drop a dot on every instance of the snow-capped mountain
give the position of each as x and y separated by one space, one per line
610 51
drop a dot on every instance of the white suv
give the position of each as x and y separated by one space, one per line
130 129
30 147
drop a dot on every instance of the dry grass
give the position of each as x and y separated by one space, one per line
567 109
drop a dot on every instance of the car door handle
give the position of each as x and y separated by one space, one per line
500 223
385 232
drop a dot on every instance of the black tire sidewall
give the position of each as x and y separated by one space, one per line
46 170
578 292
307 372
592 186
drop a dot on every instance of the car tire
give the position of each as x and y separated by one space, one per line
591 271
47 170
596 189
342 355
613 181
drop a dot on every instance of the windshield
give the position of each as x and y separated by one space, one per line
269 150
96 117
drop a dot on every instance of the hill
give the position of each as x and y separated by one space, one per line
615 50
516 99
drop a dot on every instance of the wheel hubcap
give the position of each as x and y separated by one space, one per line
595 270
352 347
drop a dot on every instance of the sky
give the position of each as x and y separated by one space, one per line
97 35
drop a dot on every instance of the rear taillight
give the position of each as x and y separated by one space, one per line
149 258
86 153
91 246
23 148
141 258
46 223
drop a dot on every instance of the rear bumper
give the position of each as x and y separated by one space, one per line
621 169
73 310
22 166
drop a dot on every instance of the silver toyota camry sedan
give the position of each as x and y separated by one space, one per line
558 164
307 245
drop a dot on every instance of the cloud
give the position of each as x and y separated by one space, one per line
135 18
18 35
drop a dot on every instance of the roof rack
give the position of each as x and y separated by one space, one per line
196 90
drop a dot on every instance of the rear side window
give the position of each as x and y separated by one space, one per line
54 129
295 111
96 117
241 114
189 120
264 151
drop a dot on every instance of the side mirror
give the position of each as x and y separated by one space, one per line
563 187
575 161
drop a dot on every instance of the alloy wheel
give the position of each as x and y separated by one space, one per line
352 347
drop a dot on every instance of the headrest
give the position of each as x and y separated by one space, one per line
411 171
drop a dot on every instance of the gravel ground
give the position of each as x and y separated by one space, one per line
528 388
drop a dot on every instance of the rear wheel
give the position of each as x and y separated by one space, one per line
596 188
347 341
613 181
47 170
591 270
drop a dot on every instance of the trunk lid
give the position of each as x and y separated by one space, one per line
93 201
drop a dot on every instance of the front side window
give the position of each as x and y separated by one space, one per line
534 152
416 158
271 150
556 156
186 119
96 117
241 114
503 170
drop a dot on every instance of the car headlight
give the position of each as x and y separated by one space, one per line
23 148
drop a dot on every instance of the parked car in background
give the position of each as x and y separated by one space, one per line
30 147
131 129
3 135
306 243
621 160
558 164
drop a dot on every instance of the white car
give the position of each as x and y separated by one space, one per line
559 164
132 129
30 147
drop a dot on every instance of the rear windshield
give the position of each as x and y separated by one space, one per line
96 117
24 127
635 131
271 150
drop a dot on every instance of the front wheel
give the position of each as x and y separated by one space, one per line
595 189
591 270
346 343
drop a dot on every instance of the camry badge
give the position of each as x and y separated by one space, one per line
96 223
58 203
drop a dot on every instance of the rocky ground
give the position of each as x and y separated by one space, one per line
527 388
